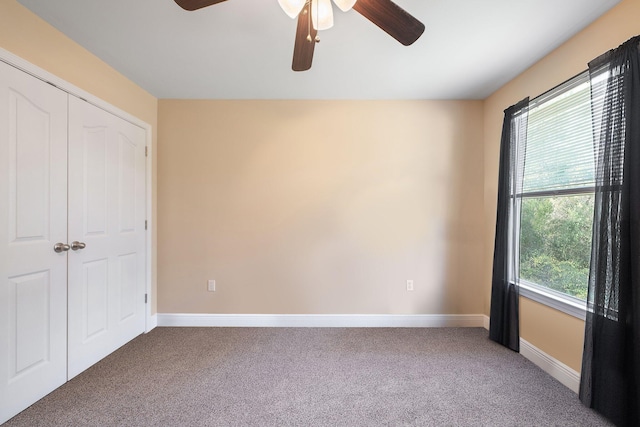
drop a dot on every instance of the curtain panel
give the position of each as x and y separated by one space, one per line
505 319
611 361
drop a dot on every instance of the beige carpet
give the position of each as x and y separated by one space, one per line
311 377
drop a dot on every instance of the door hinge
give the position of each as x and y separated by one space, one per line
145 224
146 151
145 298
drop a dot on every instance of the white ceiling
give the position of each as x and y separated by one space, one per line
242 49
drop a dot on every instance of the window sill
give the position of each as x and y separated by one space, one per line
556 300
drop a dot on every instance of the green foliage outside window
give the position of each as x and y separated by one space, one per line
555 242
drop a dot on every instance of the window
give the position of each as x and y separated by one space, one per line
555 196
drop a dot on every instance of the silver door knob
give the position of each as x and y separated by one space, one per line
61 247
77 245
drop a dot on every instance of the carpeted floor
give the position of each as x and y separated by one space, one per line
311 377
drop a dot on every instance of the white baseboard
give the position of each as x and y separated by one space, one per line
485 321
152 322
551 365
323 320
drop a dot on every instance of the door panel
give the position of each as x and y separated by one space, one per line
127 185
94 176
28 168
107 200
127 278
28 317
33 217
95 299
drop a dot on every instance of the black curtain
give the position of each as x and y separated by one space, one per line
611 360
505 320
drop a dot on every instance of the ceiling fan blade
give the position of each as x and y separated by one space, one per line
391 18
196 4
303 48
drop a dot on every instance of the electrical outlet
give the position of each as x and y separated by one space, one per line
409 285
211 285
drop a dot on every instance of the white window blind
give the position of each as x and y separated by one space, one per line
559 151
605 80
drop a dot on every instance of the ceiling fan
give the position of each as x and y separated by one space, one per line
387 15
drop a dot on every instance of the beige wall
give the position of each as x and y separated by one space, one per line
320 206
29 37
557 334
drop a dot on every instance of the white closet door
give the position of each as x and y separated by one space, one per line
107 214
33 218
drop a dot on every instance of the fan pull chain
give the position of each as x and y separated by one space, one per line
310 22
317 18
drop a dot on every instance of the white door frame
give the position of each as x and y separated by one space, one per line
42 74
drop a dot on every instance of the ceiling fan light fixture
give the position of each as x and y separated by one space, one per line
322 14
345 5
292 7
